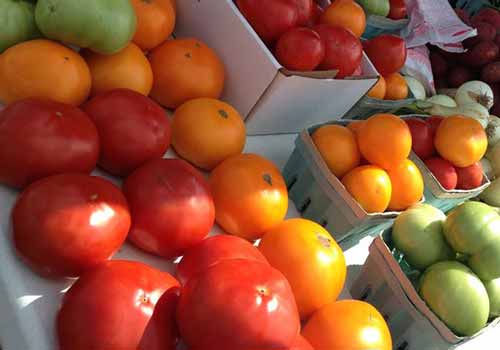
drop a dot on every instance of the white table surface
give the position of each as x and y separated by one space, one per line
29 304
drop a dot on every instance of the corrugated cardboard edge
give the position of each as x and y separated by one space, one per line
406 287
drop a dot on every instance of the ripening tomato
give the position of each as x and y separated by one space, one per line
343 50
39 138
133 129
171 205
348 325
310 259
434 121
304 10
269 19
398 9
246 304
213 250
69 223
119 305
300 49
316 13
387 52
300 343
422 139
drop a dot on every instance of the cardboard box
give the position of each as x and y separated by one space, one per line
270 98
413 325
321 197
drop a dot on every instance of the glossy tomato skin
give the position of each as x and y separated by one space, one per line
239 304
300 343
271 19
69 223
398 9
119 305
171 205
133 129
434 122
387 53
39 138
421 137
212 251
343 51
316 13
304 10
300 49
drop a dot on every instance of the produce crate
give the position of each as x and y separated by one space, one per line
434 193
383 283
377 25
270 98
367 106
320 196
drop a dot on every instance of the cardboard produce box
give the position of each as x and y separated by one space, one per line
413 325
270 98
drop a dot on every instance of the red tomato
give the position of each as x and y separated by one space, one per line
300 49
213 250
434 122
343 50
171 205
300 343
245 304
304 10
269 19
421 138
469 177
39 138
133 129
66 224
387 53
398 9
316 13
121 305
443 171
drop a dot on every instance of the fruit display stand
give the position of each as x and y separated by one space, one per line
270 98
321 197
413 325
29 303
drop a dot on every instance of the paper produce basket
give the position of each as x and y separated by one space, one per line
434 193
383 283
321 197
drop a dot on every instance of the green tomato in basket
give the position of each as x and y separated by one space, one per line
473 229
418 234
493 289
457 296
17 23
376 7
104 26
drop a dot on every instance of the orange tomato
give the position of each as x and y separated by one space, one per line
155 22
348 325
250 195
379 89
355 126
338 147
206 131
396 87
127 69
384 140
185 69
370 186
310 259
347 14
45 69
407 185
461 140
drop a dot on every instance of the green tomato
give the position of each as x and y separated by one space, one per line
473 229
104 26
376 7
17 23
418 233
456 296
493 289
